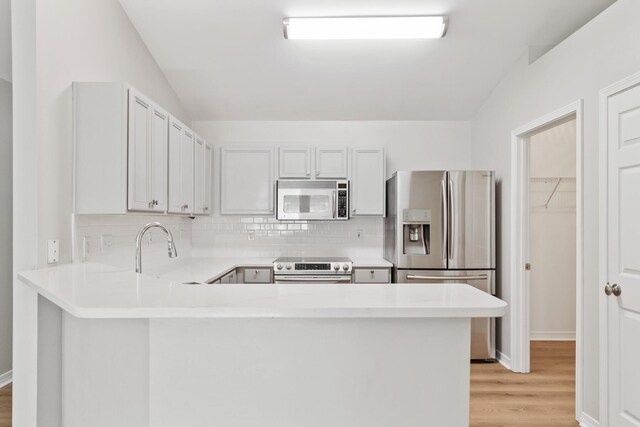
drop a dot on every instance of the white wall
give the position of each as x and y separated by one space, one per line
6 217
602 52
79 40
553 232
6 225
409 146
5 40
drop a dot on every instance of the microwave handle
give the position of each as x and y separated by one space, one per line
333 199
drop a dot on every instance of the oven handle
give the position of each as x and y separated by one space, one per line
312 279
446 278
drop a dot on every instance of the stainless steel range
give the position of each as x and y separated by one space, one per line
312 270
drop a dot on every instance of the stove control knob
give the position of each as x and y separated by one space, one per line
288 266
279 266
336 267
345 267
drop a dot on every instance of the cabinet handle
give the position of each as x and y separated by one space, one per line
372 272
318 173
308 173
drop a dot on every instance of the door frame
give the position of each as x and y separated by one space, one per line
519 277
605 94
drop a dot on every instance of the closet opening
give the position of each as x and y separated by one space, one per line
552 256
546 274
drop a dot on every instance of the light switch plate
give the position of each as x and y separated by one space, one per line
53 252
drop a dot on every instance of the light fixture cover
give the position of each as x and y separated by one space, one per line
365 27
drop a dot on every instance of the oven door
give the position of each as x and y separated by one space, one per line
310 279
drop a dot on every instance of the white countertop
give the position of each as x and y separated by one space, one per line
93 290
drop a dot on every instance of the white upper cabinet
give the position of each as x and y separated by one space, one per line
331 163
181 168
247 181
312 163
147 186
198 176
131 155
295 162
208 177
186 171
368 182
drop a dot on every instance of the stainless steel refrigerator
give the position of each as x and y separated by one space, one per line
440 227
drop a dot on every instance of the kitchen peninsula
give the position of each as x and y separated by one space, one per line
105 346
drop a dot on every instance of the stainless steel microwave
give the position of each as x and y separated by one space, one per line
322 200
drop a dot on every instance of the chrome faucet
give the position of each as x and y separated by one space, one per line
171 246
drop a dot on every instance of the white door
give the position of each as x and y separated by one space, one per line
186 171
198 176
159 140
623 258
208 176
368 182
331 163
139 140
176 130
295 162
247 181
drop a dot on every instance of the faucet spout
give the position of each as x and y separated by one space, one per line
173 253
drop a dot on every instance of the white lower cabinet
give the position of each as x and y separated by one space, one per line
247 181
368 182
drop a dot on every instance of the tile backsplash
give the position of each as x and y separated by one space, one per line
110 239
266 237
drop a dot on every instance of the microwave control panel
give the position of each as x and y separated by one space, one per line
343 200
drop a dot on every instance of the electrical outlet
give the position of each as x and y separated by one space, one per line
358 234
252 235
53 252
87 247
106 244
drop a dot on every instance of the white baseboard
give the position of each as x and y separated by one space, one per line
553 336
6 378
587 420
503 360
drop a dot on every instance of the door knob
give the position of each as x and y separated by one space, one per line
616 290
608 290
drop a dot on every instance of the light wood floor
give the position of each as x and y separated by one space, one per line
545 397
5 406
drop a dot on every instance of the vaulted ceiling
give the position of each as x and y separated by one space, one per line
228 59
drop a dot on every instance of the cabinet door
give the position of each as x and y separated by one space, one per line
247 181
140 153
367 182
176 130
186 171
331 163
295 162
159 140
198 176
208 177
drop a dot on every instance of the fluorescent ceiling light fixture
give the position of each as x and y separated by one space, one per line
365 27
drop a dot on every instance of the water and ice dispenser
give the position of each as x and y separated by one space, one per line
416 224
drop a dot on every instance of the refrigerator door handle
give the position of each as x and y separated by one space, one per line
450 219
447 278
445 217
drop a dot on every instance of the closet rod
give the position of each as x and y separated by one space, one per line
546 205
